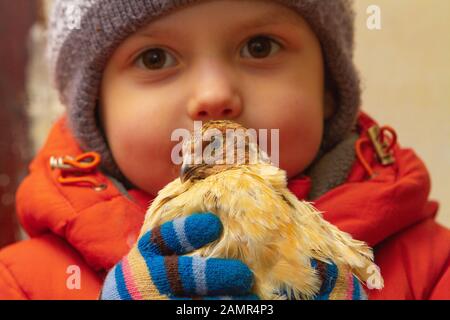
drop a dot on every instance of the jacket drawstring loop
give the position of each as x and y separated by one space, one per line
75 170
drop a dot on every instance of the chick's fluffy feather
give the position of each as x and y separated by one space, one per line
265 226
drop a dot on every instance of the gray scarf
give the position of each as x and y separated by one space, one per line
332 169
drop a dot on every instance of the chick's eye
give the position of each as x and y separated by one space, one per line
155 59
261 47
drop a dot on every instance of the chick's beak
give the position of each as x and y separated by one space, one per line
185 169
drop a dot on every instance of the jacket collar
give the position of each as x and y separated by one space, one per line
370 208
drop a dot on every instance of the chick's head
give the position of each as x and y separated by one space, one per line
221 145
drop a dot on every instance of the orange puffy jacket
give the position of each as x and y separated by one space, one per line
78 233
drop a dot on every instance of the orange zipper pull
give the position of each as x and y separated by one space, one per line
382 147
85 162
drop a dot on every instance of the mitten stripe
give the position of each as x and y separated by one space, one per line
171 263
158 273
321 271
186 273
139 270
199 271
329 274
158 240
179 226
129 280
109 291
357 290
170 238
121 286
222 298
362 291
350 286
147 247
340 291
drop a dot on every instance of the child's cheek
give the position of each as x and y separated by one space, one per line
301 128
143 155
136 133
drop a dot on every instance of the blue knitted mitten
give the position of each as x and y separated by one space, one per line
155 268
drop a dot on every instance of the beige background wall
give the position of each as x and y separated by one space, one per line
405 69
406 78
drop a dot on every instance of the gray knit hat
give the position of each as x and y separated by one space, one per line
83 34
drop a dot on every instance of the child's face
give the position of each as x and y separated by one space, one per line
255 62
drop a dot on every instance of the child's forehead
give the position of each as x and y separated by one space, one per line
252 14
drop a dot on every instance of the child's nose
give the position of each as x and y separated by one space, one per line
215 109
215 102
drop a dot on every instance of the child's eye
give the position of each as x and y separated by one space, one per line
155 59
261 47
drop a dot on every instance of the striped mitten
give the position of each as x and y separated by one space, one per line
155 268
338 283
